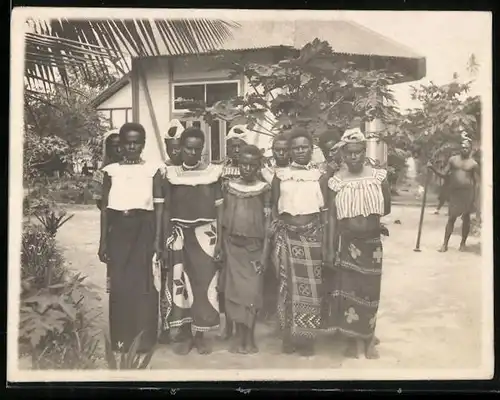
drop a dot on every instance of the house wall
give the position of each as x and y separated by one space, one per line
121 99
160 74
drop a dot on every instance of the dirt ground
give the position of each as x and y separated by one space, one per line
430 310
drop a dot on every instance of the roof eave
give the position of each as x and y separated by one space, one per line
110 91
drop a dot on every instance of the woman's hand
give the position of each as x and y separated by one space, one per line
158 247
218 252
102 253
329 259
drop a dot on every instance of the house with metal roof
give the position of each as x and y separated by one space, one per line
163 77
115 103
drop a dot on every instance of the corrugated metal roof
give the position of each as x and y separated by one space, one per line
345 37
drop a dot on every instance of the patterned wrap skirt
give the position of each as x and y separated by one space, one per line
352 289
298 254
189 294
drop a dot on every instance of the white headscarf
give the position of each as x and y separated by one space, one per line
240 132
353 135
465 138
174 130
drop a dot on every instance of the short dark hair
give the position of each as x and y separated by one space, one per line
329 135
280 137
132 126
251 150
299 133
192 132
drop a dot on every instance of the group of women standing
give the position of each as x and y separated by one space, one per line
219 227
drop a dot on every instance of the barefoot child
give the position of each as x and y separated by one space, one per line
245 223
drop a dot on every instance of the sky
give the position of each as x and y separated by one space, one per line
446 39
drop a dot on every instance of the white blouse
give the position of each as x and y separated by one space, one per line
300 191
132 185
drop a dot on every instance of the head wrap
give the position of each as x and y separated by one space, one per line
174 130
465 138
353 135
239 131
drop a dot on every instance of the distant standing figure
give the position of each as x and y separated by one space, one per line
111 153
245 226
131 224
359 196
461 172
194 200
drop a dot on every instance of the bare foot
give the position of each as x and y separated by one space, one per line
371 352
234 346
306 351
352 349
443 249
202 346
184 348
462 247
252 348
164 338
376 341
287 347
226 335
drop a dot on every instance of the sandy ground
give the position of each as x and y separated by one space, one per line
430 310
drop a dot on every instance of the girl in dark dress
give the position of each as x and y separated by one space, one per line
245 225
131 223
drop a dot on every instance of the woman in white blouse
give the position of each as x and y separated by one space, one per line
131 227
359 197
298 218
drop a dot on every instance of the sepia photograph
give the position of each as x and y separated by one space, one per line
335 221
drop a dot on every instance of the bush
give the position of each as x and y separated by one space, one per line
39 257
56 319
66 190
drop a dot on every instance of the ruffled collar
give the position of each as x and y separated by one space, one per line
177 175
311 172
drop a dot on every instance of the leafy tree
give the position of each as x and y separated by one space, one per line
446 110
315 90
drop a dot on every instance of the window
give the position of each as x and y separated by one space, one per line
188 94
116 117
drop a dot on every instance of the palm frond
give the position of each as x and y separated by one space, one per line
60 48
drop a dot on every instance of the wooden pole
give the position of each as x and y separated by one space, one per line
422 210
152 114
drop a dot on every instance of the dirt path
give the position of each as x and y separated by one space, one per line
429 314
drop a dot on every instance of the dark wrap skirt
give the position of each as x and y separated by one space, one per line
133 298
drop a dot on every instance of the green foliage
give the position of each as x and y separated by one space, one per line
446 111
315 91
55 320
41 204
58 124
129 359
39 254
65 190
